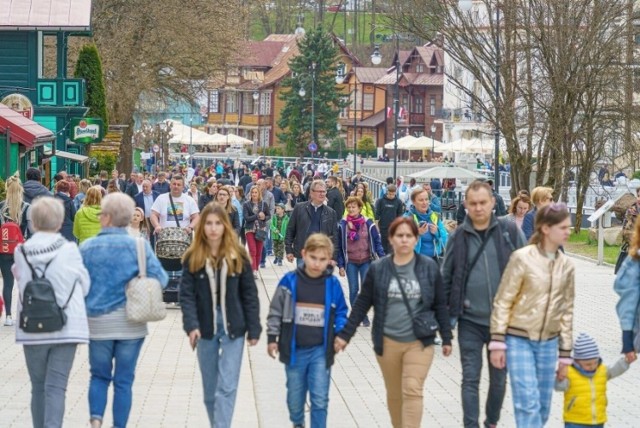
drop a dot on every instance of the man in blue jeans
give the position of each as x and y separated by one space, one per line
479 245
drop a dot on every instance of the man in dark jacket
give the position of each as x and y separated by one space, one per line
388 208
136 187
162 185
33 187
476 255
334 197
310 217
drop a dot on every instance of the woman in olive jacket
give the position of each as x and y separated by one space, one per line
219 302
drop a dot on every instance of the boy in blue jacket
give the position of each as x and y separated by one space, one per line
307 310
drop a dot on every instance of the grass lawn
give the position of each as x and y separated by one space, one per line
580 244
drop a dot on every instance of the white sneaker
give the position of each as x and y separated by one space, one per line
8 321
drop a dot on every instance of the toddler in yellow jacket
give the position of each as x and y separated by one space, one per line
585 387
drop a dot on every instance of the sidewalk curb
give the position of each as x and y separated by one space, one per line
589 259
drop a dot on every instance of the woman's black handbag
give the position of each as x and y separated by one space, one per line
260 235
424 324
624 252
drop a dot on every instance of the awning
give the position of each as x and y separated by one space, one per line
24 131
71 156
52 15
373 121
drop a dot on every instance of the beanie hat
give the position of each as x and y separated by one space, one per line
585 348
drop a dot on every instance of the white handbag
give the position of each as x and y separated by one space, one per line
144 294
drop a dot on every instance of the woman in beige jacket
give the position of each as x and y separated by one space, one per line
532 319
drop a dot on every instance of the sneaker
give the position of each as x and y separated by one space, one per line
366 322
299 426
8 321
280 263
263 265
255 274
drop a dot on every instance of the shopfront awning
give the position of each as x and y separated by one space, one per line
45 15
71 156
22 130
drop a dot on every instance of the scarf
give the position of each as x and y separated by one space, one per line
353 226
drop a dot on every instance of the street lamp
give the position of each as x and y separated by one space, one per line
465 6
302 93
376 58
338 128
433 130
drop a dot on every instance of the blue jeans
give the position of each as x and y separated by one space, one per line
472 339
102 354
266 248
49 367
220 359
309 373
532 366
353 271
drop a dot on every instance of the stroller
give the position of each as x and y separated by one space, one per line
171 244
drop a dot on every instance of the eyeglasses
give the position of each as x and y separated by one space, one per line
319 191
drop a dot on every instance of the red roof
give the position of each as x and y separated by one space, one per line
24 131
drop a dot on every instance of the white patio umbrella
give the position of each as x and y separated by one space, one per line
233 139
443 172
463 145
422 143
402 142
184 134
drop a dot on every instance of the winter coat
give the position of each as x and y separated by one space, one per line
86 222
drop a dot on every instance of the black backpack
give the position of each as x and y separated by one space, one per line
40 310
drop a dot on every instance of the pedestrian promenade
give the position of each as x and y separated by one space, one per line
168 392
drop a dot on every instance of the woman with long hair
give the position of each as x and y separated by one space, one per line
208 195
401 287
520 206
138 227
83 186
296 195
237 197
113 186
15 210
627 286
220 306
87 220
286 191
256 217
532 318
223 197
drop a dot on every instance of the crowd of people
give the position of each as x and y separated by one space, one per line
499 278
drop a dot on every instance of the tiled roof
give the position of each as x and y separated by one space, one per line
425 79
404 56
388 79
369 74
373 120
280 65
260 53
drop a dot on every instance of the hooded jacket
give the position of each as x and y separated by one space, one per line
86 223
32 189
69 215
65 270
375 242
281 325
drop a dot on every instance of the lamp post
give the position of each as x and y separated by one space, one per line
338 128
466 6
433 130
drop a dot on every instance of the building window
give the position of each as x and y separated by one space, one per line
214 101
356 102
232 102
344 111
418 106
404 101
264 137
265 103
367 102
432 105
247 103
420 68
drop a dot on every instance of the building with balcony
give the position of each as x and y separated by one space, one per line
420 94
47 103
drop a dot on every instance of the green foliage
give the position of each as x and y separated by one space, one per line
275 151
106 161
89 67
3 190
636 174
366 145
314 70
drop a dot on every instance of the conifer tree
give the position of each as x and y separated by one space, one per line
89 68
315 71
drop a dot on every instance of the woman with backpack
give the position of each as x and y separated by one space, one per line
65 282
14 225
256 217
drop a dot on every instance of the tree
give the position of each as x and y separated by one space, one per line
163 49
311 117
89 68
366 145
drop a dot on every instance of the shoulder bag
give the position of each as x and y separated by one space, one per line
144 294
260 234
424 324
172 242
624 252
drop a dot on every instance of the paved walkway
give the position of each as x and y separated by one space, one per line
167 389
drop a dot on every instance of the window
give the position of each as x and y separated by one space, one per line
344 111
247 103
232 102
265 103
367 102
214 101
356 102
264 137
404 101
420 68
432 105
341 71
418 106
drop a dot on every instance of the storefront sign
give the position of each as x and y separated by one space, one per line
19 103
86 130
